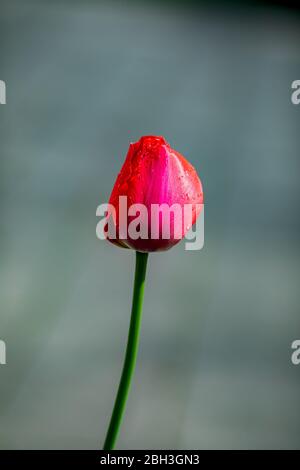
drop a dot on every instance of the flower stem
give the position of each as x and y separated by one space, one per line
131 351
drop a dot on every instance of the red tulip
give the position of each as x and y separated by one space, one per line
154 174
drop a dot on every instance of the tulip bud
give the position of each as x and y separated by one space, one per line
156 185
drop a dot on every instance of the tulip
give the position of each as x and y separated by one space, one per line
153 174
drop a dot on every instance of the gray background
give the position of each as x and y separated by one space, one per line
214 370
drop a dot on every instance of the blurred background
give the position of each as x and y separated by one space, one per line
84 78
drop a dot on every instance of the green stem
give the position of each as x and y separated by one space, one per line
131 351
